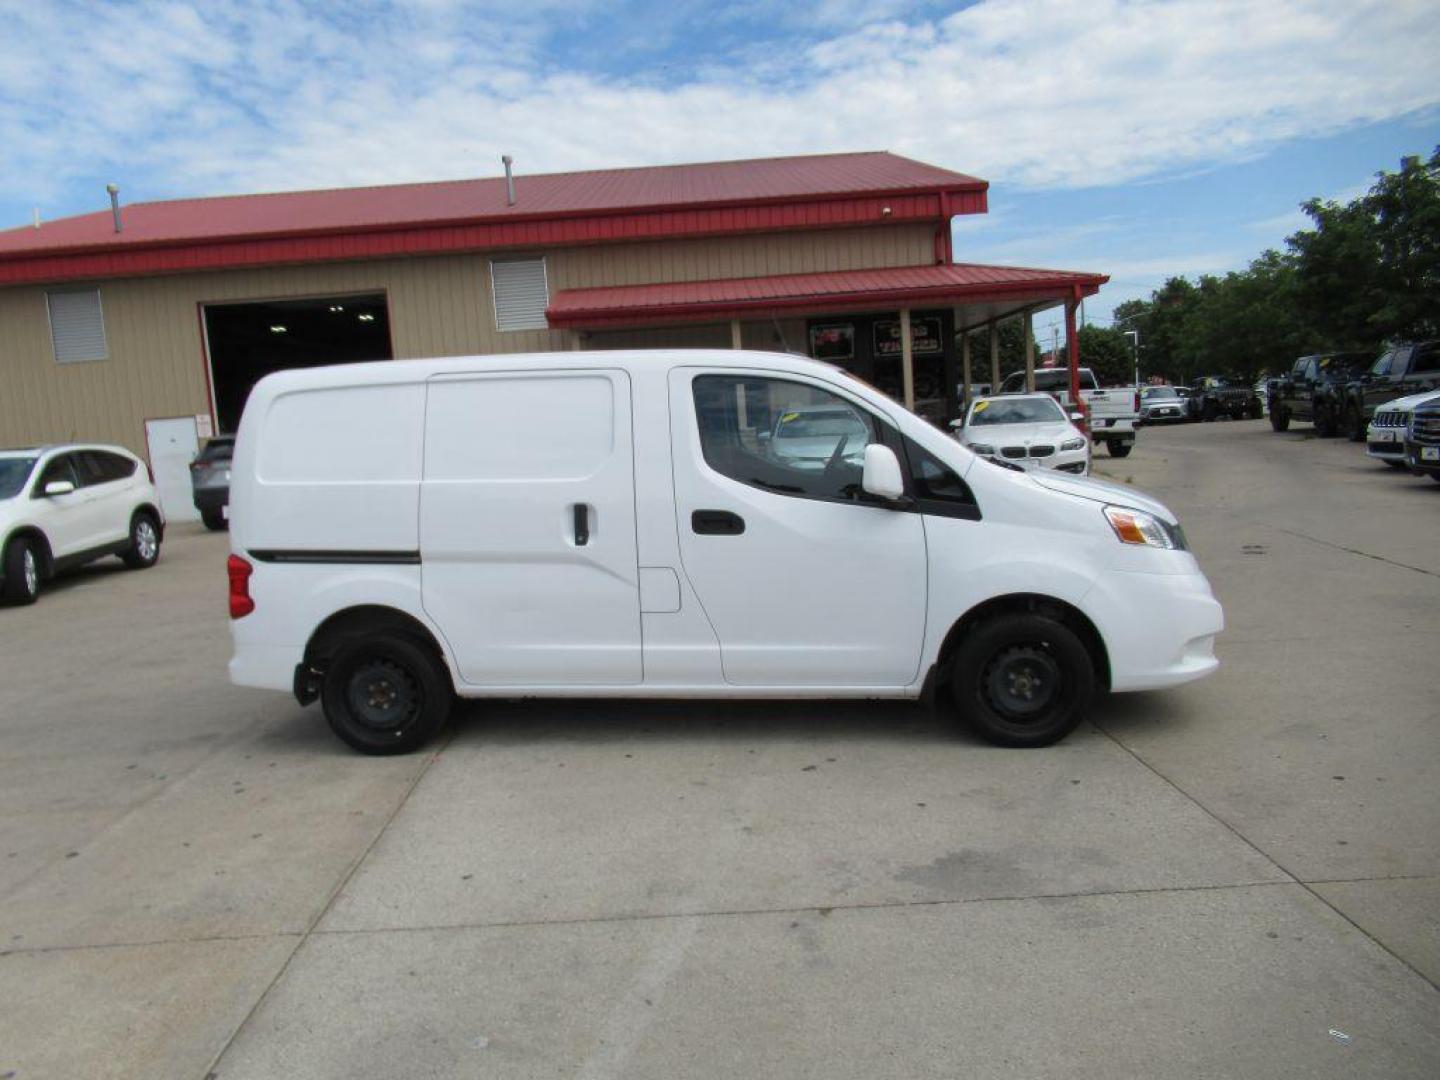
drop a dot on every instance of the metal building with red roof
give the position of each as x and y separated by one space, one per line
132 322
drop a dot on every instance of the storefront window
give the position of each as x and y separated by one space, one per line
834 342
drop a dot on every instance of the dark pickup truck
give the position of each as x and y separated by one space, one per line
1314 391
1212 397
1402 370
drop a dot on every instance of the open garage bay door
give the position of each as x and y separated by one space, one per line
249 341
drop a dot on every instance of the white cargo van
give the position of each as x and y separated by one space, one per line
678 524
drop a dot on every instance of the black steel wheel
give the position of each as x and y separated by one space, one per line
1023 680
214 520
386 694
21 572
1279 418
1119 449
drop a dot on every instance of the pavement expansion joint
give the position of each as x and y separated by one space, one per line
344 879
887 905
1354 551
96 946
1294 878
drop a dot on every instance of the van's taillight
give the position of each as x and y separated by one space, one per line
240 602
1137 400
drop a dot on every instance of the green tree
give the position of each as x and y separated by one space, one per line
1107 352
1405 209
1337 273
1246 324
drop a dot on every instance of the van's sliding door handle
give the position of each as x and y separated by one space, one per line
717 523
582 525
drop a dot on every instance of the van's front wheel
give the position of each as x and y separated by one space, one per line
1023 680
386 695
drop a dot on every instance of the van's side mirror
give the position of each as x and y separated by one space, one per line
58 487
1076 415
882 473
957 423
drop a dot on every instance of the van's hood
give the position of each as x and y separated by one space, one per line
1099 491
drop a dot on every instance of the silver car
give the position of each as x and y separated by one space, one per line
815 438
1161 405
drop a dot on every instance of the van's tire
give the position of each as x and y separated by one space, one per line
1023 680
1354 424
214 520
144 549
1118 448
386 694
21 572
1279 419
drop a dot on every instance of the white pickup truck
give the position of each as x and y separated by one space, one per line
1111 414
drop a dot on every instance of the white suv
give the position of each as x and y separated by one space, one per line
61 506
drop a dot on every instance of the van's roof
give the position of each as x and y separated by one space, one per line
396 372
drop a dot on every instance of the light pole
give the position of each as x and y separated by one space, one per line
1135 335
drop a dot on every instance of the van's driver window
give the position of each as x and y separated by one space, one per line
782 436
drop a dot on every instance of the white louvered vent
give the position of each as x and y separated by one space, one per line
77 325
521 294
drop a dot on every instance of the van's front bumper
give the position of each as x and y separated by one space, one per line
1159 629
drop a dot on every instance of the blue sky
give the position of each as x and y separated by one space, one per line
1140 138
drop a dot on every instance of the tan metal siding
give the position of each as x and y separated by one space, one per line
735 257
439 306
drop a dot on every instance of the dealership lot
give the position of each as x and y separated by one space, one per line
1241 877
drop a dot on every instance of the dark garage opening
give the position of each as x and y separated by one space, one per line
249 341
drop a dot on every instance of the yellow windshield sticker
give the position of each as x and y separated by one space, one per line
788 417
981 406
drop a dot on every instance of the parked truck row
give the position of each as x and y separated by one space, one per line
1391 403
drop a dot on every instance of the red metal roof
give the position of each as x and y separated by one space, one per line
548 196
914 286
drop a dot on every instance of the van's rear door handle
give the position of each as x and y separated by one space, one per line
582 525
717 523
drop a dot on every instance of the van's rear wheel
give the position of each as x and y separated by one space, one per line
386 694
1023 680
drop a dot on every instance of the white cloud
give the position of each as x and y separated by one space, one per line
275 94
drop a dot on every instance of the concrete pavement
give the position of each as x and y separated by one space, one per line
1237 878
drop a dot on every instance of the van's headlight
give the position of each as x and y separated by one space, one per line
1073 444
1137 527
981 448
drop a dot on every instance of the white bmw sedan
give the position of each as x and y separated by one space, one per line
1028 430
